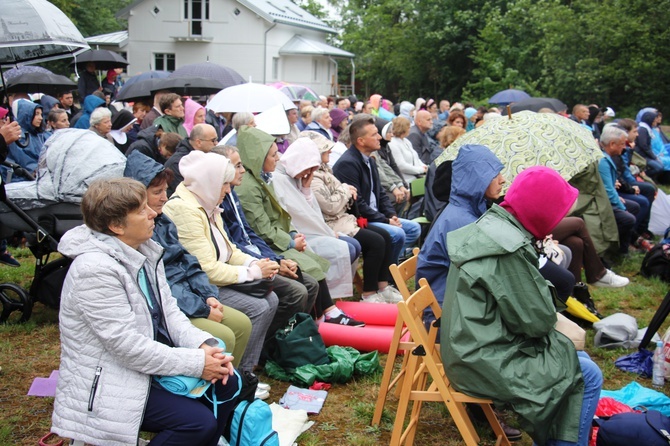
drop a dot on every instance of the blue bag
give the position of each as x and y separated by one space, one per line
651 428
252 425
192 387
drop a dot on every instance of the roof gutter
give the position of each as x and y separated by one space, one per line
265 50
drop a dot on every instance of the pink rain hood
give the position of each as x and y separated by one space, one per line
539 198
190 109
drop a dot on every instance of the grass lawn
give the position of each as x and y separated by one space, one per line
32 350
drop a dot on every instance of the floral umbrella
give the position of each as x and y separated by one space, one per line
296 92
532 139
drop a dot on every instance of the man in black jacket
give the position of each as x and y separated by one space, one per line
356 168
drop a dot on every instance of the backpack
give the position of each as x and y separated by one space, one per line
651 428
252 425
656 263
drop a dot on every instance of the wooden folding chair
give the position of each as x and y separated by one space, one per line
425 362
401 274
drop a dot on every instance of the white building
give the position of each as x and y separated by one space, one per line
263 40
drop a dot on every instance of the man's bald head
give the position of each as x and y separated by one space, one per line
423 120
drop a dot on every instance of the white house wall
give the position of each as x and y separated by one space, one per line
237 41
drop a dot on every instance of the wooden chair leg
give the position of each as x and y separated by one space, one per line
403 401
386 383
494 422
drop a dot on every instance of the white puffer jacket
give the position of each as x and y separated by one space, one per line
105 324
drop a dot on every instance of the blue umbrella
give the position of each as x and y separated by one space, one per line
508 96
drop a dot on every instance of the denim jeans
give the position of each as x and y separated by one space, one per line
354 247
401 237
593 381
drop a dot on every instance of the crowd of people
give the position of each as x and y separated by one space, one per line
245 229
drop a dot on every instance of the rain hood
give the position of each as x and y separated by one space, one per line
254 145
539 198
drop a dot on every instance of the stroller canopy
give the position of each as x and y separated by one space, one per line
71 160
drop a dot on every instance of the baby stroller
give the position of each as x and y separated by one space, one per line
48 207
42 227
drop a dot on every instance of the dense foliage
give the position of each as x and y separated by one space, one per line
611 52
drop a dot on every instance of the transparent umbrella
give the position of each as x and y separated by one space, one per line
36 30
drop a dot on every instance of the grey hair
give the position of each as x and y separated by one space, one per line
98 115
318 113
345 137
242 118
225 150
611 133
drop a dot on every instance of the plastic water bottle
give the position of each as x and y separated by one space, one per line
658 376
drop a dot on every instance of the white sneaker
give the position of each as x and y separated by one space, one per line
262 394
263 386
611 280
391 295
374 298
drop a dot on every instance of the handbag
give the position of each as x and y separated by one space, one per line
256 288
571 330
298 344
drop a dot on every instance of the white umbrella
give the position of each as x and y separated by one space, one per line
273 121
249 97
35 30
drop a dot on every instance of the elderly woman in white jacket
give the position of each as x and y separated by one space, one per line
291 180
120 327
404 154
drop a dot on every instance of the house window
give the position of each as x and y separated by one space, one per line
164 61
275 68
315 69
196 11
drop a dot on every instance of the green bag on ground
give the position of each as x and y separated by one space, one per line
298 344
344 362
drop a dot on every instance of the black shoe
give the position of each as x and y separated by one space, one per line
582 294
344 319
7 259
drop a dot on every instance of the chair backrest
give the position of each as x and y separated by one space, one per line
405 271
417 187
412 310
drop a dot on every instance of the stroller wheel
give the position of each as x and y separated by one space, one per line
14 298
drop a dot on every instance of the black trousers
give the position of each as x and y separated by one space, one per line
377 255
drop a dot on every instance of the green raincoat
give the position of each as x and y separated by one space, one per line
594 207
264 213
171 124
498 339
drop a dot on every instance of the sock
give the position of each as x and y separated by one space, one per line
333 313
320 320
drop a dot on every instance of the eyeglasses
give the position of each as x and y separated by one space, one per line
214 140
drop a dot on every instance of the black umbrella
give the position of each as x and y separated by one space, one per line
656 321
227 76
189 86
536 104
137 90
103 59
39 82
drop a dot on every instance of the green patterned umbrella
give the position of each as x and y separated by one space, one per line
532 139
